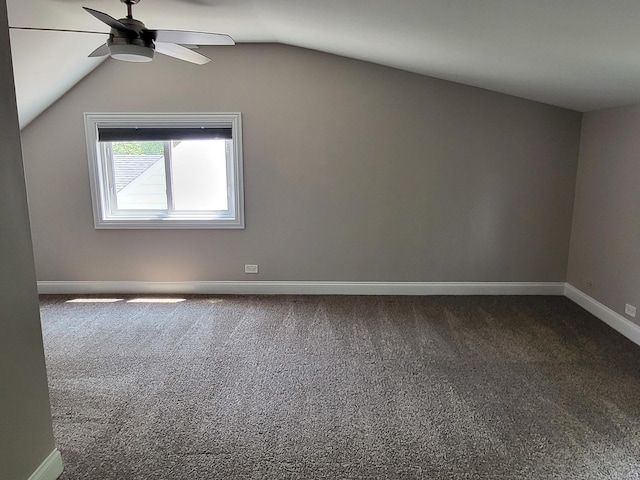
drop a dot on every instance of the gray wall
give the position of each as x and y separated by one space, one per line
26 437
353 172
605 239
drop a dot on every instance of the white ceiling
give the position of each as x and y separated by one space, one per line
579 54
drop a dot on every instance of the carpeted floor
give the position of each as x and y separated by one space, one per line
333 387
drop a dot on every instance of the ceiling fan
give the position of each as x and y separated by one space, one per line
131 41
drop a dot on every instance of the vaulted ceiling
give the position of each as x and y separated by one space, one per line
579 54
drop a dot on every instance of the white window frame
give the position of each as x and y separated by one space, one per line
105 213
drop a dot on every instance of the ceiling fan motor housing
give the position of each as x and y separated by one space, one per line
133 45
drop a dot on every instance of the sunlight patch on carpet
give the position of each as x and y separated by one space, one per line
94 300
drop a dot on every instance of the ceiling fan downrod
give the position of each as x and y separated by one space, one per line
129 4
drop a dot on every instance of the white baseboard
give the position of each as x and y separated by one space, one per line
604 313
50 469
306 288
614 320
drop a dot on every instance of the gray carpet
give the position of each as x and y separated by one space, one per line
333 387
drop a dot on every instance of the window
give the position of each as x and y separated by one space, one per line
165 170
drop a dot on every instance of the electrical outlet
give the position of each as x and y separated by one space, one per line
630 310
251 269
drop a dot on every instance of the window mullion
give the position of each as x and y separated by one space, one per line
168 175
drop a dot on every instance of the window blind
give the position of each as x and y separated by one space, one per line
142 134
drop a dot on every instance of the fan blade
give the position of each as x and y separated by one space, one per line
181 53
101 51
56 30
191 38
109 20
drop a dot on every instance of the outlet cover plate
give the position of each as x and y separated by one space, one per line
251 269
630 310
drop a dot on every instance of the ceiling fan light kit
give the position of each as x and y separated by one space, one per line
131 52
